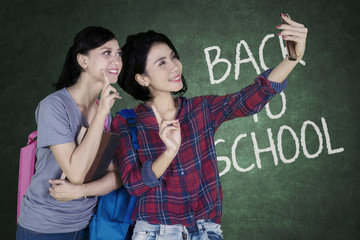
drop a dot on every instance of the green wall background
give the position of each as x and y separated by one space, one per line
315 195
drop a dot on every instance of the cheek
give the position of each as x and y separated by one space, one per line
120 63
120 66
99 64
180 66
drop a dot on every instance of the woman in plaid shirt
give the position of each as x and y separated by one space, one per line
175 172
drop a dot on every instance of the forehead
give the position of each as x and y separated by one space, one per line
157 51
111 44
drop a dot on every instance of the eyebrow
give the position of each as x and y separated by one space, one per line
172 52
159 60
108 48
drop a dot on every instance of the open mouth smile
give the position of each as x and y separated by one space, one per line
176 79
113 71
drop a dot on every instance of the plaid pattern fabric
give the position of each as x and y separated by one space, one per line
190 188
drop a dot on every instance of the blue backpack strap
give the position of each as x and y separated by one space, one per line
130 116
117 207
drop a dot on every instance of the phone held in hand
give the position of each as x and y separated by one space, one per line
290 46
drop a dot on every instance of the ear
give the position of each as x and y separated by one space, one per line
82 60
142 80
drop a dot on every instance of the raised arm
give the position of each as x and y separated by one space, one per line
139 178
170 134
75 161
292 31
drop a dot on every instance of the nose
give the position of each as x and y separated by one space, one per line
175 66
115 60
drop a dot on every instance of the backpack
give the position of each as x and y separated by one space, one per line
112 219
26 168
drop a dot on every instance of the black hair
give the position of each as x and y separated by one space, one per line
87 39
134 56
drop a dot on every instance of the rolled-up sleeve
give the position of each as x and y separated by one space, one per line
246 102
278 87
148 175
137 177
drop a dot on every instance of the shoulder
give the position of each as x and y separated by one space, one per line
57 97
119 122
143 116
118 119
55 103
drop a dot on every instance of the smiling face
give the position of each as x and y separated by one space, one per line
104 58
163 71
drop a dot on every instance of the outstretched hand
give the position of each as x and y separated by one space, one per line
169 132
294 31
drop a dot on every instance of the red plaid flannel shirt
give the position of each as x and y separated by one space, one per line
190 188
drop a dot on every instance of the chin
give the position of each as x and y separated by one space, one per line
178 88
113 80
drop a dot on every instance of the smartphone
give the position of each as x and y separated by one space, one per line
290 46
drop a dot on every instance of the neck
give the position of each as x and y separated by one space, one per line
166 105
85 92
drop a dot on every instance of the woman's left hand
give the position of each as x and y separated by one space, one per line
63 190
294 31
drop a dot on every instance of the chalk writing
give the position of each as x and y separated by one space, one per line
275 146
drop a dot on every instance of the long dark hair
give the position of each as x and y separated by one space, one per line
87 39
134 56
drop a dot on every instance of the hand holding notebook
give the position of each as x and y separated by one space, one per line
106 151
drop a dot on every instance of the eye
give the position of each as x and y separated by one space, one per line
162 63
107 53
119 54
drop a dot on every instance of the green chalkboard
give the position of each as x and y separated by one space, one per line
291 172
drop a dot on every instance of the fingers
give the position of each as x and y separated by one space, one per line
108 89
54 191
292 35
109 93
171 136
106 78
290 21
56 195
169 131
292 31
58 189
169 123
287 27
56 181
294 39
288 33
166 126
55 185
291 24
